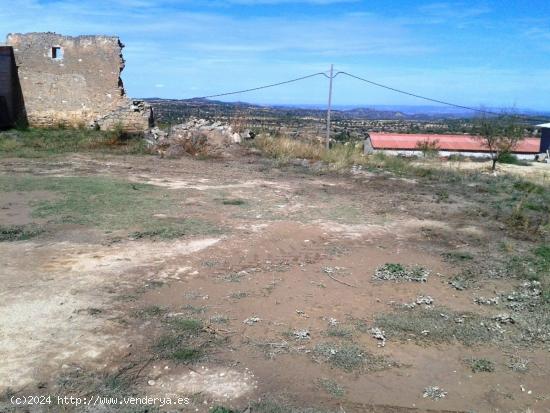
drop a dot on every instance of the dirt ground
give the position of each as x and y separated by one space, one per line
282 287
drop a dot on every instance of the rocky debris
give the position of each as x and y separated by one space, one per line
301 334
197 137
132 117
486 301
434 393
302 313
528 296
332 321
518 364
426 300
155 135
252 320
380 335
398 272
458 284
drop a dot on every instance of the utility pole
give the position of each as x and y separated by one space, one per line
329 106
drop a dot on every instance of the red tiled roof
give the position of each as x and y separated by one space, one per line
465 143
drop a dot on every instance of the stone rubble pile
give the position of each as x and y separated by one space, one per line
196 137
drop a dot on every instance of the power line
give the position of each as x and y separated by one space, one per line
418 96
487 112
262 87
404 92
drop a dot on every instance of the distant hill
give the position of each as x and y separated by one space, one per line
174 109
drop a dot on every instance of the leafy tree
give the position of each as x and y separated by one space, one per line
500 136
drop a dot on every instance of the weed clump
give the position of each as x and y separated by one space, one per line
183 342
481 365
331 387
19 232
349 357
398 272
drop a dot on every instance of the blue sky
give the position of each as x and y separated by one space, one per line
490 53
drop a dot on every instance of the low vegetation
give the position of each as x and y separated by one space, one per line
349 357
184 341
105 203
19 232
440 326
33 143
481 365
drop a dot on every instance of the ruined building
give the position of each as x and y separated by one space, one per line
69 81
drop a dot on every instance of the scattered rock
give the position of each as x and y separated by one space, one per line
196 137
434 393
302 313
486 301
252 320
380 335
301 334
527 296
426 300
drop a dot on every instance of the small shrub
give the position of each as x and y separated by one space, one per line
481 365
398 272
19 232
511 159
331 387
428 147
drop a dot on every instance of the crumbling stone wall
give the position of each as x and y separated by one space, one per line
75 81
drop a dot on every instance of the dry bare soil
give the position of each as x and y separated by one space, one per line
244 285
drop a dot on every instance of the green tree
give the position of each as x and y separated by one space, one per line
500 136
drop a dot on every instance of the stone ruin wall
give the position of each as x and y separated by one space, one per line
80 87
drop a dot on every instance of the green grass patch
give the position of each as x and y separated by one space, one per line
110 204
349 357
19 232
184 340
440 326
174 229
339 331
33 143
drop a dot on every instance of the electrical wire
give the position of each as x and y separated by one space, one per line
262 87
404 92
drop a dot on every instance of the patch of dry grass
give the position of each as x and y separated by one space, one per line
285 149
